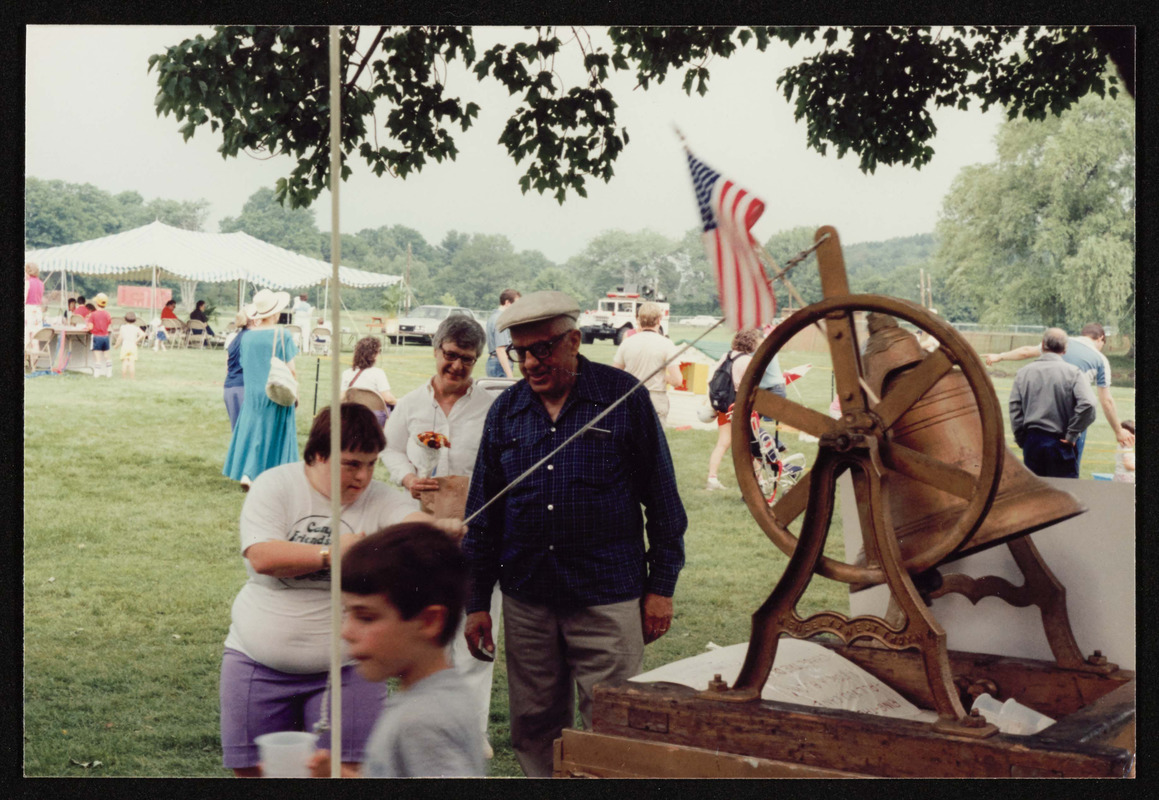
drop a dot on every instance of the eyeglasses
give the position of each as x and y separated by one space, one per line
451 355
541 350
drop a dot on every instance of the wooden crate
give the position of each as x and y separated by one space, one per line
696 736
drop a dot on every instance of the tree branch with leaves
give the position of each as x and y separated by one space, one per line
870 90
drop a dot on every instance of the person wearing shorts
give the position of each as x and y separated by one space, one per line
99 322
743 345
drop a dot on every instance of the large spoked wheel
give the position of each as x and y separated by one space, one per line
862 417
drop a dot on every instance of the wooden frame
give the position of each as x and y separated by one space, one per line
1094 735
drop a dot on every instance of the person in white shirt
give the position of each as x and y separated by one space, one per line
277 652
363 374
450 404
643 353
302 311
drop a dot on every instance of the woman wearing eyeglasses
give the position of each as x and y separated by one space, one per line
452 405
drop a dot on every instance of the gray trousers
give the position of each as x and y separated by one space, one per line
550 654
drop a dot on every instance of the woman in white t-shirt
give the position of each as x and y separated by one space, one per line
363 374
277 652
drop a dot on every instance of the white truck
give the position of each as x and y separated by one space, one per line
615 314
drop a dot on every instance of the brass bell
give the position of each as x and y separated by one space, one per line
945 424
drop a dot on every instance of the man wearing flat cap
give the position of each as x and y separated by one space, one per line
582 594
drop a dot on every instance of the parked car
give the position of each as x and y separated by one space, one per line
700 321
420 324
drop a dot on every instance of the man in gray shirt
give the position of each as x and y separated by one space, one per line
1051 404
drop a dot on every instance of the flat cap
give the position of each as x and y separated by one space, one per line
536 307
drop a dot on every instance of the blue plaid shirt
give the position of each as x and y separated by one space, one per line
572 533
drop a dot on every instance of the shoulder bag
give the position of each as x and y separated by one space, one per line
281 386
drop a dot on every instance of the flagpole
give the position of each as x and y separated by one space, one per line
335 418
758 250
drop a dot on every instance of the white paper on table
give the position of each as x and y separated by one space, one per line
804 673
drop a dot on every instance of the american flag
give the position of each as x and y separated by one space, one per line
728 212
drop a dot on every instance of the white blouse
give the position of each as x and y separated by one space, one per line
417 412
373 379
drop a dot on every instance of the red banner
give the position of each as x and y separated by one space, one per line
142 297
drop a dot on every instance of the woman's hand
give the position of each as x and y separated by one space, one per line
348 540
319 765
416 485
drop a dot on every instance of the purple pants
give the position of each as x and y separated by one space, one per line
256 699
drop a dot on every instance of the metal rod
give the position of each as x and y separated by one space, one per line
590 423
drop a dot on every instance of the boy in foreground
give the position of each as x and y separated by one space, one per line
403 590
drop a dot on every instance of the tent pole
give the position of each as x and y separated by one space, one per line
335 415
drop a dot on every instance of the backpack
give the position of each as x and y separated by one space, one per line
721 392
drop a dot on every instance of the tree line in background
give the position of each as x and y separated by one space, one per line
1044 235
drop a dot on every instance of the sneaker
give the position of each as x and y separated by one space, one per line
245 483
713 484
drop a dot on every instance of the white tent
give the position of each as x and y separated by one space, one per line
159 251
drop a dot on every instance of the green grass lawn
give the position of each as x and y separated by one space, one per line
131 562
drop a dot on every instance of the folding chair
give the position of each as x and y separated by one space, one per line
495 386
196 334
175 329
41 356
369 398
76 319
320 341
296 332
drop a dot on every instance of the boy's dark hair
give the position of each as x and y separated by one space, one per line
80 299
90 307
415 565
361 433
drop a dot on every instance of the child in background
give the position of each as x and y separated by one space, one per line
160 337
403 590
1125 457
128 336
99 321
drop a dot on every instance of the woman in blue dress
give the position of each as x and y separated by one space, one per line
266 433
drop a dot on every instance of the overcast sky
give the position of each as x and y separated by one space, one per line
90 119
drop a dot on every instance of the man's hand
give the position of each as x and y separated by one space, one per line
416 485
1125 437
657 614
992 358
477 630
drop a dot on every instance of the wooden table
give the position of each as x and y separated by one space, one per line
672 731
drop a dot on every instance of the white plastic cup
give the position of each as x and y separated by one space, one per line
286 754
988 707
1019 719
1011 716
